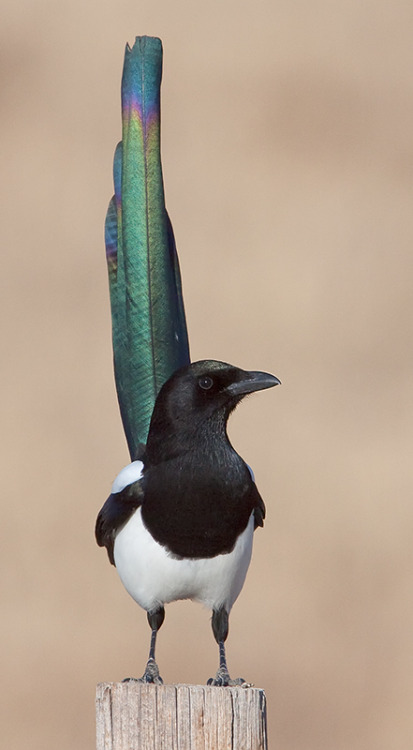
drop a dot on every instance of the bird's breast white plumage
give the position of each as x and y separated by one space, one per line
154 577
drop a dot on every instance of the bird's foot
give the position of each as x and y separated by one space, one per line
222 679
150 675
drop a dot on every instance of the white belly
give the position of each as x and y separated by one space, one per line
153 577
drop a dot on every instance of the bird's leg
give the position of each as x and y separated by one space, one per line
220 630
151 673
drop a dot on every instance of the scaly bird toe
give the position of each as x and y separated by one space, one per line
222 679
150 676
151 673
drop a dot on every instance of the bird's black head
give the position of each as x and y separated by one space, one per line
196 399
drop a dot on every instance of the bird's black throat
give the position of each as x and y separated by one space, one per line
198 502
198 494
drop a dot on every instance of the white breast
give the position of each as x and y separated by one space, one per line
153 577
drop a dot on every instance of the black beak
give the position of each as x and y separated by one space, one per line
252 381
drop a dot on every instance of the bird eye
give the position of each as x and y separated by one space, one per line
205 383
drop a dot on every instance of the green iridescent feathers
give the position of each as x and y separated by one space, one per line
149 332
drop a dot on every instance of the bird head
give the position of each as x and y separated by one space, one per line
199 396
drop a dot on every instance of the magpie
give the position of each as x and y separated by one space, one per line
180 518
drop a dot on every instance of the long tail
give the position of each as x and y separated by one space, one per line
149 333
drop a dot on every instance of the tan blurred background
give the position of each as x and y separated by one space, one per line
288 163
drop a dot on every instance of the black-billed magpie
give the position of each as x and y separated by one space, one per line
179 521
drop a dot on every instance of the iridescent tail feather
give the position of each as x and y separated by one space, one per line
149 333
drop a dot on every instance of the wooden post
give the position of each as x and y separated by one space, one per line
137 716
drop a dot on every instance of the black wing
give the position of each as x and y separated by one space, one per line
117 509
259 509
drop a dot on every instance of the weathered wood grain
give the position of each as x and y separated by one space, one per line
135 716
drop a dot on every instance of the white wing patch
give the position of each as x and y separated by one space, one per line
129 474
